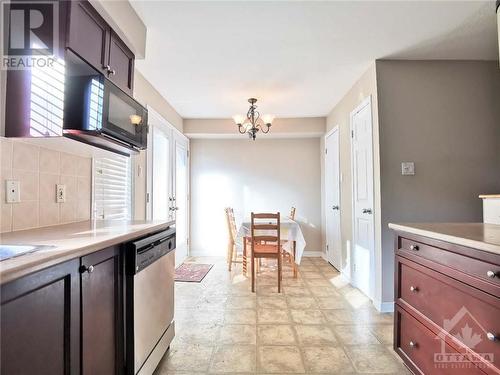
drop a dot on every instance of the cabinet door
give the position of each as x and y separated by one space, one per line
101 312
121 62
88 34
40 322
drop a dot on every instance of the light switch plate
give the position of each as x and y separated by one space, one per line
408 168
60 193
12 191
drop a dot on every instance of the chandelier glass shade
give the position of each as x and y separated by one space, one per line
252 123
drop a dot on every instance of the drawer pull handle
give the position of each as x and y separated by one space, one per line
413 344
491 336
414 247
491 274
414 289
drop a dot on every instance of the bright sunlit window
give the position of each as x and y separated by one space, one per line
47 100
112 188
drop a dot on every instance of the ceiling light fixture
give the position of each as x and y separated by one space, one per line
253 123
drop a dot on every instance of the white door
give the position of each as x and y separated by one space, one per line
363 246
181 196
332 198
159 187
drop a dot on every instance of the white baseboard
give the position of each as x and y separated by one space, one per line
384 307
313 254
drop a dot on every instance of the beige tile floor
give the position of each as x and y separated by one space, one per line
318 325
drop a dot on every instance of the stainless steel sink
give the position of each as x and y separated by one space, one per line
11 251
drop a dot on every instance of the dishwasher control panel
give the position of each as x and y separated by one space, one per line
149 249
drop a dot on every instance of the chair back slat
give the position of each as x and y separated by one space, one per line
266 215
265 227
231 223
265 238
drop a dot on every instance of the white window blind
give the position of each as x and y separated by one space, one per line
112 188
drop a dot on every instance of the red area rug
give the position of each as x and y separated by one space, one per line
192 272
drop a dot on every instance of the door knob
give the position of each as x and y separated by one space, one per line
413 344
107 68
367 211
335 207
414 247
112 72
414 289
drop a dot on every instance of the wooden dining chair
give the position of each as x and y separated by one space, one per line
232 251
286 254
265 242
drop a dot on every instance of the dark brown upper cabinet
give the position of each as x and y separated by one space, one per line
121 62
88 35
93 40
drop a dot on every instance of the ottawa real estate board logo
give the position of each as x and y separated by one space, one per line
465 328
30 34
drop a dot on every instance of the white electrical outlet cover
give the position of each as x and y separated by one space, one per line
407 168
12 191
60 193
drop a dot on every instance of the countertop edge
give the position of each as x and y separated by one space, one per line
479 245
65 255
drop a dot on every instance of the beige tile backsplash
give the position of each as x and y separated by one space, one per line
38 170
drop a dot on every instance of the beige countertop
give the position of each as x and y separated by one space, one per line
476 235
486 196
69 241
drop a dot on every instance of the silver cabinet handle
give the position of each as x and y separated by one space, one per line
112 72
414 289
88 269
491 274
413 344
367 211
335 207
491 336
414 247
107 68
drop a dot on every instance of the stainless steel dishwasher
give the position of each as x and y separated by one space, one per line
149 300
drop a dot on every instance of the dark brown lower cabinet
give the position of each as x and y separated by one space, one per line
101 312
66 319
447 307
40 322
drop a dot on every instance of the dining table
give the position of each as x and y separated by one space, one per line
293 241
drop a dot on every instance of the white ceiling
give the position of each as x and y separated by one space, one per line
299 58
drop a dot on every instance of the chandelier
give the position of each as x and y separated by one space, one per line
253 123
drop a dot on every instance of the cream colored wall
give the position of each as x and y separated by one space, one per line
340 116
147 95
265 175
289 127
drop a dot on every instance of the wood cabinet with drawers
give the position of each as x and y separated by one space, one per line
447 313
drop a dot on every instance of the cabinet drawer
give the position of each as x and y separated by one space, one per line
455 307
486 271
426 354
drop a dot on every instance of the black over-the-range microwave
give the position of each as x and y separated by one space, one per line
98 112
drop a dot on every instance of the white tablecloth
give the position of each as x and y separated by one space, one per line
289 231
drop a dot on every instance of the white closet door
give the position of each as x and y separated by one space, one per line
159 179
363 222
181 195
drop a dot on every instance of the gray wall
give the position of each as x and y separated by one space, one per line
444 116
